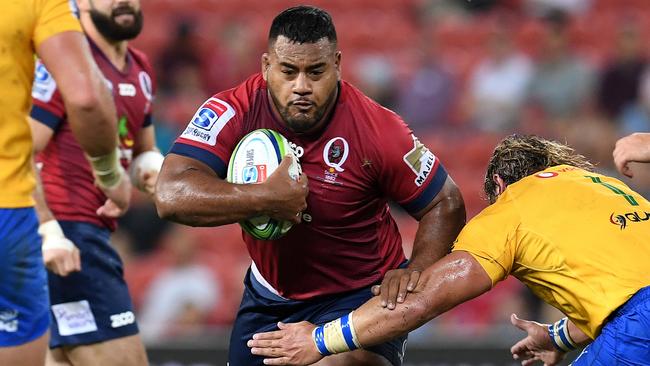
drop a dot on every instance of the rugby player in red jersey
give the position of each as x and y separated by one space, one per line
355 155
92 314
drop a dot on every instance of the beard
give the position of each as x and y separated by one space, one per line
301 122
108 27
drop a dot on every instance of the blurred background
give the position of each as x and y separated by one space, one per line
463 74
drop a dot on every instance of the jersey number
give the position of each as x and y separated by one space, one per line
628 197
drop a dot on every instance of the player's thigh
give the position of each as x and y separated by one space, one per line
56 357
126 351
28 354
355 358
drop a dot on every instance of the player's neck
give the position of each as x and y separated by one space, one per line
115 51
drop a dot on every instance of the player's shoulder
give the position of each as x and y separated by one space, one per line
244 96
363 107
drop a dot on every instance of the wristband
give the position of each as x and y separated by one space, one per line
336 336
107 169
559 333
53 237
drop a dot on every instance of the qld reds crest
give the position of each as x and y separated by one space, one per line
335 153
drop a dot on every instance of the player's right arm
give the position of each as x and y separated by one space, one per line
190 192
631 148
89 107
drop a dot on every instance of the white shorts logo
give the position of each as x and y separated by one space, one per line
8 321
122 319
74 318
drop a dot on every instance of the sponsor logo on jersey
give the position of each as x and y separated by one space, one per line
421 161
122 319
44 85
546 175
126 89
146 85
8 321
208 121
74 318
622 220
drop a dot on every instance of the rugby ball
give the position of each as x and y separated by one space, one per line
256 157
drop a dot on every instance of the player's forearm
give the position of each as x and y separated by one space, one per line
438 228
88 102
451 281
577 335
43 212
198 198
93 122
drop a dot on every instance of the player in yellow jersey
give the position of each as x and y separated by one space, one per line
47 28
579 240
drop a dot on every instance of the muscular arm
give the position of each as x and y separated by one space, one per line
439 225
454 279
88 103
41 135
190 192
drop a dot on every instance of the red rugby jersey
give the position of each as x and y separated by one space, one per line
67 177
365 156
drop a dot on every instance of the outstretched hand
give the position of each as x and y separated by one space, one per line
396 284
537 346
291 345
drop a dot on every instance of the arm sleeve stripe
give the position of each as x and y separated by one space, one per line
429 193
204 156
46 117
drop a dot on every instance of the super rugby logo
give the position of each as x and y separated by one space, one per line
44 85
421 161
208 121
622 219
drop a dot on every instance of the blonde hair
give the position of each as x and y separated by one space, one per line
518 156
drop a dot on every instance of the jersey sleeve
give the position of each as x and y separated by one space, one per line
53 17
410 173
47 103
491 238
212 134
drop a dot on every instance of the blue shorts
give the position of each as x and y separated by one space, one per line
23 286
93 305
261 310
625 339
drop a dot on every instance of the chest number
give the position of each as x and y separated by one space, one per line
616 190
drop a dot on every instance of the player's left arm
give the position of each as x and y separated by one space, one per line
454 279
147 161
439 224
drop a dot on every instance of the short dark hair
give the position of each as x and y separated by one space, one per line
518 156
303 24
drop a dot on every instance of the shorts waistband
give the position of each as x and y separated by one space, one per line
639 297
